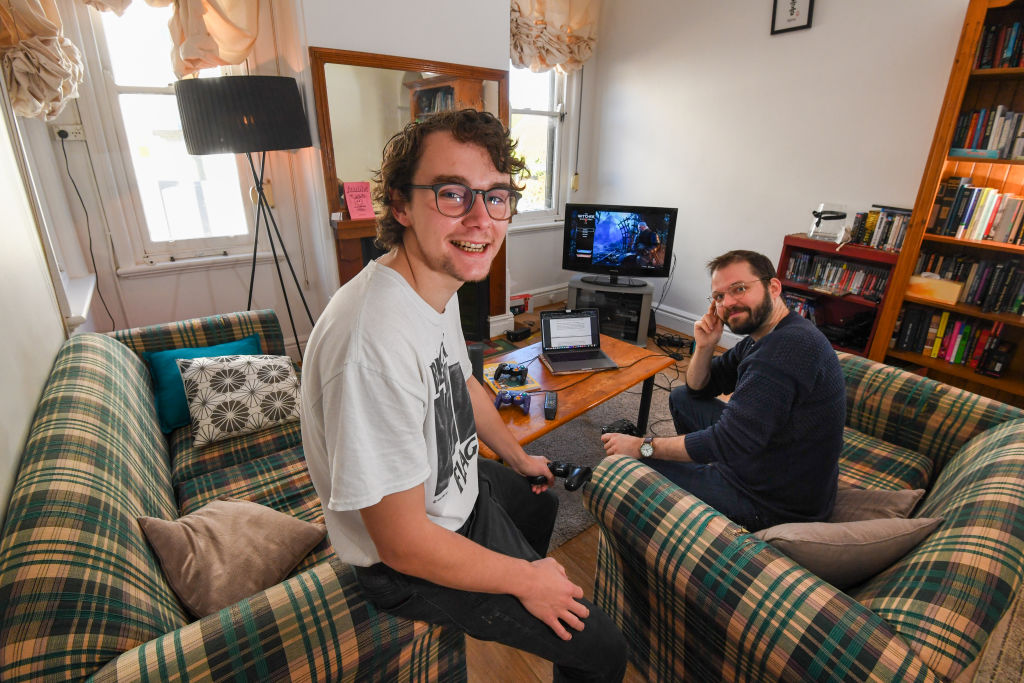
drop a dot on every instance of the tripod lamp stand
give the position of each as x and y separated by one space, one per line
242 115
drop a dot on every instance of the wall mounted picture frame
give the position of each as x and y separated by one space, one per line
791 15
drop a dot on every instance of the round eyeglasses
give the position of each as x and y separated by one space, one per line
735 290
455 200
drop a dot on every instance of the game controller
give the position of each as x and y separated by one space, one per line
513 398
622 426
575 475
516 374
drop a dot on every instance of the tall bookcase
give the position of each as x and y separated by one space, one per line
841 289
971 87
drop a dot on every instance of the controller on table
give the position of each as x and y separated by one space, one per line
520 399
515 374
575 475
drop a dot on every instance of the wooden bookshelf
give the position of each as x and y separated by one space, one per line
834 304
969 89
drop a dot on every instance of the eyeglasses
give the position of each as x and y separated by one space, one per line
735 290
455 200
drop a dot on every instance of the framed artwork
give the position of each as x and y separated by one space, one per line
791 15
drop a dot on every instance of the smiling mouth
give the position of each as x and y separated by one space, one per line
471 247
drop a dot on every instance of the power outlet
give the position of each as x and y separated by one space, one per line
75 131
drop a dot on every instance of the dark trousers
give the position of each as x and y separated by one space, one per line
508 518
706 480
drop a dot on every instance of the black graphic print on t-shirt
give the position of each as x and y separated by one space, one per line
454 427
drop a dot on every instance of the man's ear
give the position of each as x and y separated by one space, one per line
400 208
775 286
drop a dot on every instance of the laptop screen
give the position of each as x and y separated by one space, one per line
565 330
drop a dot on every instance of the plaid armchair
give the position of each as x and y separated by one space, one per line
82 594
700 599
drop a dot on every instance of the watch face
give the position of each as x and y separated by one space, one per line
646 449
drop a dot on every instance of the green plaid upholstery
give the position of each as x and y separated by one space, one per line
81 594
914 412
699 599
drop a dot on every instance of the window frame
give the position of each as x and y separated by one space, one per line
566 144
129 231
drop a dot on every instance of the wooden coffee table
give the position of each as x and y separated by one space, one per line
580 392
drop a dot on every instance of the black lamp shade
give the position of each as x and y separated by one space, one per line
241 114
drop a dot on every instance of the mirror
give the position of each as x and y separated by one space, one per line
361 100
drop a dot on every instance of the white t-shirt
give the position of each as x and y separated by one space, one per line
385 407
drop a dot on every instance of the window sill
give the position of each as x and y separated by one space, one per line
191 264
544 225
79 291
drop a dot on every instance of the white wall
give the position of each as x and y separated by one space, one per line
696 105
31 317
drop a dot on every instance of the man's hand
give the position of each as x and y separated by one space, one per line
707 331
551 597
534 466
624 444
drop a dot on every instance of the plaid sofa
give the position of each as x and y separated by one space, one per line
700 599
83 596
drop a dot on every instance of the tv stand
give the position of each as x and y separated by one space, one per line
624 309
612 280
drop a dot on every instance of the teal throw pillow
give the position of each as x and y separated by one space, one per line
171 405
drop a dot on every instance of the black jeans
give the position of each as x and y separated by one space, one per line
705 480
508 518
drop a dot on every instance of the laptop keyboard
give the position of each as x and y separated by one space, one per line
575 355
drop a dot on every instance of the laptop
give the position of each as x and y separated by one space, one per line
571 342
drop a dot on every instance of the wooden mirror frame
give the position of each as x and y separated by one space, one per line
348 234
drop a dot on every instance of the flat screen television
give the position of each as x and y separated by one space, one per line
612 241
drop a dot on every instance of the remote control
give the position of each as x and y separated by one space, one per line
550 405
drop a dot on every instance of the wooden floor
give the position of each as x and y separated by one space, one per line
487 661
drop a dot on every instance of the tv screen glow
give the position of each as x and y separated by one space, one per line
618 239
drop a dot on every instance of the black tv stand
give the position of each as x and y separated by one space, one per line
613 280
624 310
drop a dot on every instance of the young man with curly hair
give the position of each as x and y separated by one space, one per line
391 415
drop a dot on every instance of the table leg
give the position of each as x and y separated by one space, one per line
645 406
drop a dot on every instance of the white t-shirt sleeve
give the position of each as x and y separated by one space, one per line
382 419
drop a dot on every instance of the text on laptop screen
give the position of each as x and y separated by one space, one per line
570 333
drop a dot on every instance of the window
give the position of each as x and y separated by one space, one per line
184 205
538 114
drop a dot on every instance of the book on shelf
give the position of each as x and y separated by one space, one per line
968 212
939 334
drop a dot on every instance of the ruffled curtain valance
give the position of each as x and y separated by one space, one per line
208 33
550 34
43 69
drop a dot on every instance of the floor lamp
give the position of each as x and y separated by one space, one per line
242 115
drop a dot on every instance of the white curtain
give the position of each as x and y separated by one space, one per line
42 68
209 33
550 34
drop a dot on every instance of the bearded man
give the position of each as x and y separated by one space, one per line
769 455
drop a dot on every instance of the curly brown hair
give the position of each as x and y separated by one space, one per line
403 151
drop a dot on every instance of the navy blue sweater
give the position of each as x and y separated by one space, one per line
781 432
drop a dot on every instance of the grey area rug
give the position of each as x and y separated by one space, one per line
579 441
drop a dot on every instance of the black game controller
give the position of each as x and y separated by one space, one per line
575 475
516 374
622 426
513 398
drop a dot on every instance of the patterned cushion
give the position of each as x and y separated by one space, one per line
233 395
870 463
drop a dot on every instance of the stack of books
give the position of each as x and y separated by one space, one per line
1000 46
995 285
989 134
881 227
965 211
958 340
836 276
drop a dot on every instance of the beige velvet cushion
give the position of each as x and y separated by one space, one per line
854 505
228 550
846 553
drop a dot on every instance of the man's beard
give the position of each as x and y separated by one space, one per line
755 317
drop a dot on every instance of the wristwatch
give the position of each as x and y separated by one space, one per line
647 447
